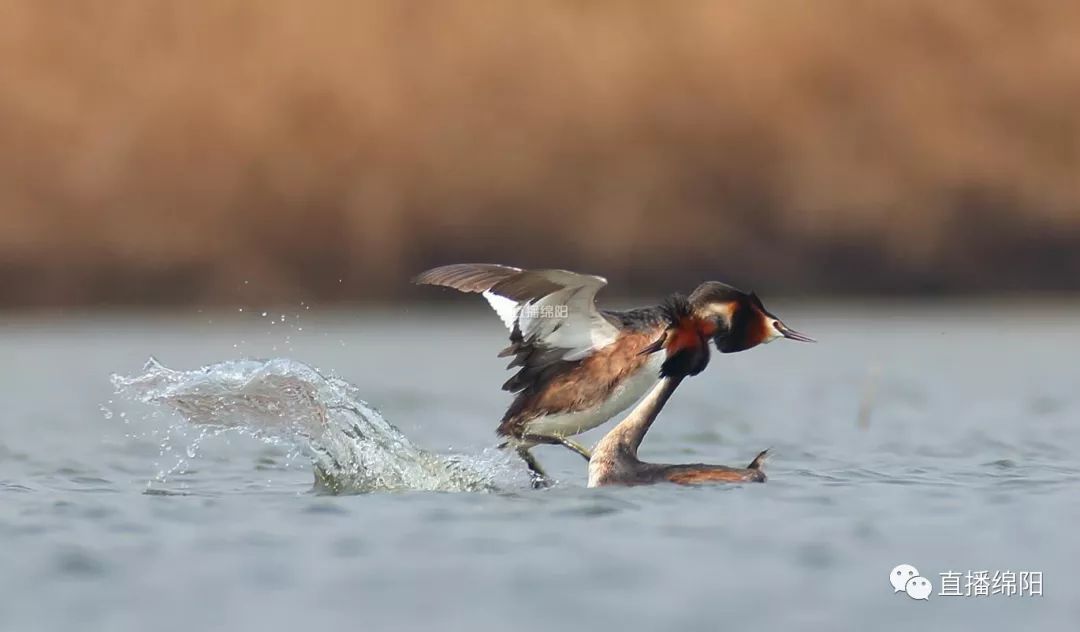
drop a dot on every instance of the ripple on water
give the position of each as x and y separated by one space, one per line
7 454
97 483
78 562
326 508
349 546
154 491
816 555
595 509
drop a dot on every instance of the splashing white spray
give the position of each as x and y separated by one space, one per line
352 448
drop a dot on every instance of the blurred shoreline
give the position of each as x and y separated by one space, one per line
174 154
455 307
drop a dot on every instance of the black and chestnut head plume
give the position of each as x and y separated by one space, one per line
685 341
741 320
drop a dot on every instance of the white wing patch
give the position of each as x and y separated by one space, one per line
507 309
565 319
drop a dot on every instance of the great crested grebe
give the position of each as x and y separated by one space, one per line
686 352
581 365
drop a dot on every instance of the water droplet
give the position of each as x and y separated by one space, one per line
106 412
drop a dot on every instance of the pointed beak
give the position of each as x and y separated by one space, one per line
791 334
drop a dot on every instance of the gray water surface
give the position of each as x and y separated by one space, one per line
946 438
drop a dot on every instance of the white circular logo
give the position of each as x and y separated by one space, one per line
900 575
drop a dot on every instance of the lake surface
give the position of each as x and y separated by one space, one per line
945 437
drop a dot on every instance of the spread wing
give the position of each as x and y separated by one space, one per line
551 314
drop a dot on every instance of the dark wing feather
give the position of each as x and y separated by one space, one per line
539 342
467 277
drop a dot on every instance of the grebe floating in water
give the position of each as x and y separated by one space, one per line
686 352
581 365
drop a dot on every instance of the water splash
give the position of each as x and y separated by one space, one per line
353 449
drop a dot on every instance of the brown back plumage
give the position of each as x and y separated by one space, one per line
702 474
696 474
563 386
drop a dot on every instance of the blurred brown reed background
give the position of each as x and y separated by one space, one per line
225 151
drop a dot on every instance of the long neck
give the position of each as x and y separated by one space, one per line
631 430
